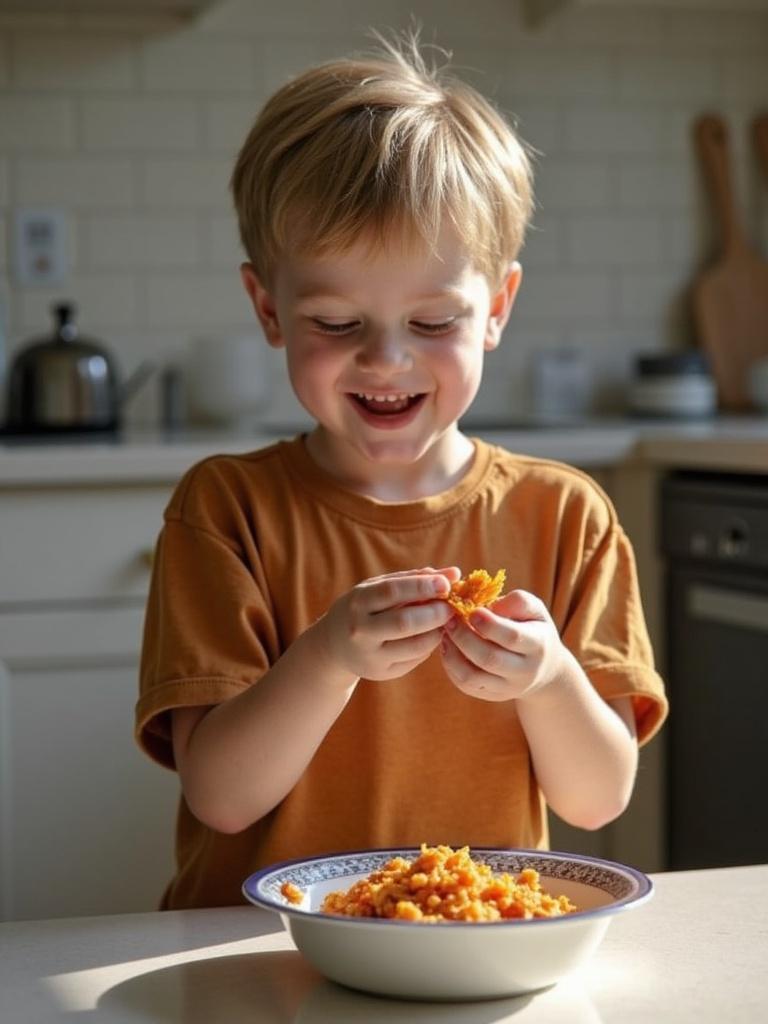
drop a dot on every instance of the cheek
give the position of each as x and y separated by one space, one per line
312 368
463 360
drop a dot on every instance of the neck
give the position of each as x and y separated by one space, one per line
441 467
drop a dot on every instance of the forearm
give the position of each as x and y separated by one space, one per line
239 759
246 754
584 752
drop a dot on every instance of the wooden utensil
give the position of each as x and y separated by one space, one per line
730 297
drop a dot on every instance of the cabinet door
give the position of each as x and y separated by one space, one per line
87 820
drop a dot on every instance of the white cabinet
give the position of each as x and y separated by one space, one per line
86 820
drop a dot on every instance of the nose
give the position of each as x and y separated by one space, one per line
383 351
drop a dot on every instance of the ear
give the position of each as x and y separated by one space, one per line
501 306
263 304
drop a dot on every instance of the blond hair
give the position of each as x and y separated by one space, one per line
364 147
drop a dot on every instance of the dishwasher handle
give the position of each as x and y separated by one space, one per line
728 607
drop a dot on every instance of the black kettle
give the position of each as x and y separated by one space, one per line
67 384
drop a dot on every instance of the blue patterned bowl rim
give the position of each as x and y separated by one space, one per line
628 886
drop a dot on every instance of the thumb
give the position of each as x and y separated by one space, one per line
521 606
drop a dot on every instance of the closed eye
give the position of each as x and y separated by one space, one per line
335 327
434 326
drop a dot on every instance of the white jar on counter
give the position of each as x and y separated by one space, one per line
228 378
673 385
561 384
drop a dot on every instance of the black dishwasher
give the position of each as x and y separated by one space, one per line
714 536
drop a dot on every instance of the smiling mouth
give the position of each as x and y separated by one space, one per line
387 405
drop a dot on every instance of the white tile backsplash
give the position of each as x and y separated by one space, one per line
106 302
5 62
689 76
131 130
77 62
743 79
4 179
189 63
665 185
134 240
625 241
565 295
540 75
226 122
140 125
174 183
75 183
223 242
606 128
210 301
573 184
36 124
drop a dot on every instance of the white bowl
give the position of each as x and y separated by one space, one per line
450 960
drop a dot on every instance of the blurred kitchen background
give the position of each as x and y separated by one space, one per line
119 123
123 123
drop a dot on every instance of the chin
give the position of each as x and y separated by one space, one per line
392 452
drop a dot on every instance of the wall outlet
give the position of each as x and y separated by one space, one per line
40 246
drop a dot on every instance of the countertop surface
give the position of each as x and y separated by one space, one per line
696 952
728 443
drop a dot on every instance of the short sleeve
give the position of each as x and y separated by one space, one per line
208 634
605 629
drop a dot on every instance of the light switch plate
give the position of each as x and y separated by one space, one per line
40 246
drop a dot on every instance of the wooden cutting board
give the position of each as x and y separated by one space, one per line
730 297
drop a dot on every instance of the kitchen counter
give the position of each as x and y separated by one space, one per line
738 444
696 952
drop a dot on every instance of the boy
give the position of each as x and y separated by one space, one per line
301 668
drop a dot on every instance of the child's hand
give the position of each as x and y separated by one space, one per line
509 652
387 625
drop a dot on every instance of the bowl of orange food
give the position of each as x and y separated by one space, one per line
442 923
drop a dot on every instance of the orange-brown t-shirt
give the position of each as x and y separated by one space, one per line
256 547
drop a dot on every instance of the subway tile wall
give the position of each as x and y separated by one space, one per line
130 125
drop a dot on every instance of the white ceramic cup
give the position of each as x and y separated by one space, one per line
228 378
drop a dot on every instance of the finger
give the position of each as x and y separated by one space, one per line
414 649
472 680
493 658
520 605
395 575
409 588
451 572
409 620
513 635
423 571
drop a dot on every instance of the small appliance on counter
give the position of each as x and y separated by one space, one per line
66 384
673 385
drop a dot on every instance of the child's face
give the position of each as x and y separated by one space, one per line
385 347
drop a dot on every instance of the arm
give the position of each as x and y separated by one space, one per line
584 750
239 759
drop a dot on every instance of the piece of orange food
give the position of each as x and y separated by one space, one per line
443 884
291 893
476 590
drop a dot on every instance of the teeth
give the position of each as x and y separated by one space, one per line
384 398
